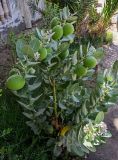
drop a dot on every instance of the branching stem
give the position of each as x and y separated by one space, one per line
55 98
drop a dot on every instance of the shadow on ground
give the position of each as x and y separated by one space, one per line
111 55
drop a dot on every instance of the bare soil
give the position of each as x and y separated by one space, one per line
111 55
6 63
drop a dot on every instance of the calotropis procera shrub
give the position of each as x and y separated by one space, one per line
62 92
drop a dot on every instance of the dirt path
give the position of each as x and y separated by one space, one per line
111 55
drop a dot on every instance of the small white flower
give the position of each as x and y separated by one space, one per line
103 127
86 128
36 56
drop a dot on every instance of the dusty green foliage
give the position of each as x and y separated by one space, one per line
51 11
81 7
57 103
48 13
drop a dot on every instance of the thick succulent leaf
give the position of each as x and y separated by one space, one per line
63 48
91 51
28 107
77 150
28 115
65 13
38 33
29 76
62 106
74 58
100 117
33 100
57 151
32 63
28 51
86 150
68 38
34 86
75 99
40 112
35 45
19 94
92 149
33 127
19 45
84 108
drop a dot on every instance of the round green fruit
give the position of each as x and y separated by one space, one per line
81 71
109 37
99 53
68 29
63 55
90 62
43 53
15 82
58 32
55 21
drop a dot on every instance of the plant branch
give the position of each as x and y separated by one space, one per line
55 98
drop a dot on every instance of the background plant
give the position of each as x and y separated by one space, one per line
48 13
16 139
91 24
102 23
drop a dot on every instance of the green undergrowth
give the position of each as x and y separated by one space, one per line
17 141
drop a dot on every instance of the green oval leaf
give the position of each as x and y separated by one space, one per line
35 45
19 46
27 50
99 117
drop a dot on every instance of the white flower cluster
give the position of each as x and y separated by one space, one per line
94 134
102 128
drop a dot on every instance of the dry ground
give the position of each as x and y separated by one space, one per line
5 64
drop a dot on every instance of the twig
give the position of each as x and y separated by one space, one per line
55 98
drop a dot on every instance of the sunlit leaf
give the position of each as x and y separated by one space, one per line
100 117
